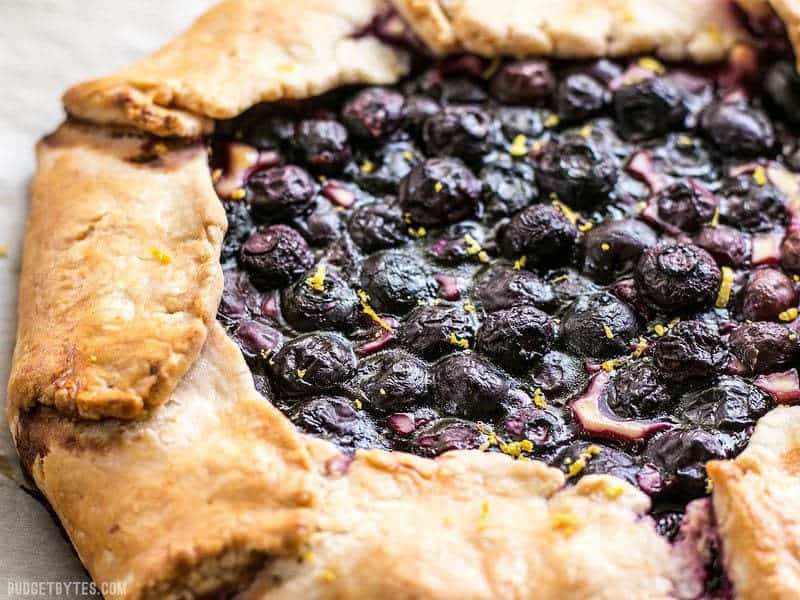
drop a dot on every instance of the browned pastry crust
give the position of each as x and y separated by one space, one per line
192 485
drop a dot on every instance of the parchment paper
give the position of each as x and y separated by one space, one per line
46 45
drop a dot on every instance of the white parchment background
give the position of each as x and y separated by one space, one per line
46 45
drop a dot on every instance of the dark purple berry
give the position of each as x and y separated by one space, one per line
612 248
542 234
678 277
335 419
738 129
649 108
580 96
523 82
374 112
782 87
502 287
377 226
516 338
280 192
636 391
599 325
444 435
390 381
471 387
418 109
507 188
323 143
602 460
560 377
275 256
764 347
729 246
395 282
257 338
312 363
545 427
439 191
435 330
520 120
686 205
730 404
306 307
690 350
462 131
767 294
752 207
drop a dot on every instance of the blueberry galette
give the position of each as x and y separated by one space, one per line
419 299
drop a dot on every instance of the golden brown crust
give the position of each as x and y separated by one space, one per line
239 53
120 276
755 499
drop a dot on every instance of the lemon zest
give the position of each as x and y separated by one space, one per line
660 329
651 64
483 518
605 247
367 166
585 131
566 522
301 373
419 232
552 121
518 146
437 187
565 210
790 314
317 280
370 312
327 575
238 194
641 346
584 227
610 365
725 286
408 155
457 341
760 175
520 262
539 399
608 331
161 256
469 306
357 403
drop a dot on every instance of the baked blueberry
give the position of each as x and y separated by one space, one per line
560 377
386 167
545 427
764 347
680 455
520 120
637 391
320 300
595 459
599 325
444 435
323 144
312 364
730 404
390 381
280 192
435 330
468 386
508 187
440 191
239 296
542 234
500 287
682 155
577 170
417 109
240 226
686 205
768 293
729 247
782 87
751 205
463 131
516 338
457 243
580 96
377 226
275 256
523 82
648 108
267 130
374 113
690 350
335 419
257 337
738 129
678 277
612 248
395 281
790 251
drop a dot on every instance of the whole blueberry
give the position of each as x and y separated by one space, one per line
508 187
391 380
520 120
523 82
752 207
257 337
729 247
395 281
435 330
377 226
418 108
374 112
599 325
690 350
686 205
545 427
681 155
439 191
502 287
280 192
388 165
738 129
542 234
678 276
240 226
451 247
764 347
275 256
603 460
577 170
516 338
321 225
444 435
306 307
612 248
560 377
782 87
767 294
323 144
790 251
649 108
471 387
463 131
636 391
730 404
335 419
312 363
580 96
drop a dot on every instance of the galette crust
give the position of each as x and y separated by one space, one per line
756 503
137 417
120 273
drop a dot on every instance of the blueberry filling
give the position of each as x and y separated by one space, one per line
591 264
